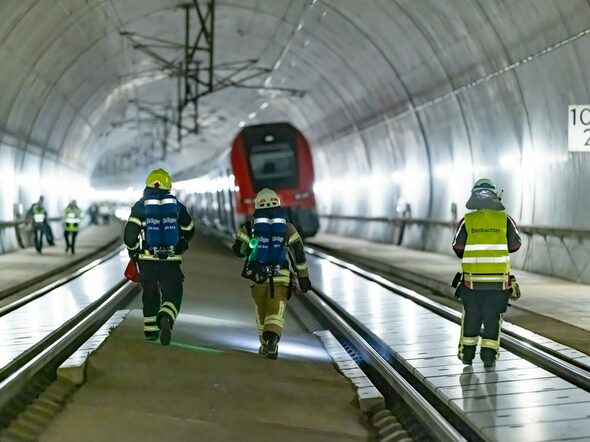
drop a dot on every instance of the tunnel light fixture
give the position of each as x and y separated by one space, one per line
264 105
242 123
252 115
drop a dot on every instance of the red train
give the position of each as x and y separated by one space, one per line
272 155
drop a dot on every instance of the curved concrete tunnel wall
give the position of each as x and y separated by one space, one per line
388 129
386 112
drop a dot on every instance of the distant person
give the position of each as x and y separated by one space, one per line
37 215
266 242
93 212
105 213
72 218
484 240
166 229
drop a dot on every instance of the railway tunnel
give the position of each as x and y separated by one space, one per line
404 104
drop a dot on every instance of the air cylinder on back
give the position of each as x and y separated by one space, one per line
169 214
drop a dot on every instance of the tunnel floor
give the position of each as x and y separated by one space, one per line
210 384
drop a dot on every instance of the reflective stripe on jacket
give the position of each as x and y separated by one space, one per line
486 249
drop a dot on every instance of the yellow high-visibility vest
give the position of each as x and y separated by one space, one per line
486 257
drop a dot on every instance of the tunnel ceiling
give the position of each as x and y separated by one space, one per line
72 82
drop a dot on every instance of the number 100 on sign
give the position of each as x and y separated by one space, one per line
578 128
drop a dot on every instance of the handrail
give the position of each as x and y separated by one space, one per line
559 232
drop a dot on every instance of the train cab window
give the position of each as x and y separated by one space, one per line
274 166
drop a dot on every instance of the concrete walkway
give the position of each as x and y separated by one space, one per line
210 384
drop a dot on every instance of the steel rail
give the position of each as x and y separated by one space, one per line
561 366
432 420
16 376
558 232
52 286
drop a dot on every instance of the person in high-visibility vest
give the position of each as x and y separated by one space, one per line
484 240
38 217
266 241
72 218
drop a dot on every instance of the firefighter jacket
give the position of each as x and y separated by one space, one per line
294 245
484 241
134 235
72 218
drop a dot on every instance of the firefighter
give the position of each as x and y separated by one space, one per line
72 216
157 233
484 240
266 241
38 217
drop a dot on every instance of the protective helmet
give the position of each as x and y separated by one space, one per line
159 179
484 184
266 199
485 195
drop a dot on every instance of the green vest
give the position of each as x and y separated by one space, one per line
72 219
486 257
39 214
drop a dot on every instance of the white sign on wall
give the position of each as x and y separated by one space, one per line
578 128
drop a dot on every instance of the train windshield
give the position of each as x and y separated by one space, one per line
274 166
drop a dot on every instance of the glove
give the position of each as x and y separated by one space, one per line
515 289
515 293
133 255
181 247
304 284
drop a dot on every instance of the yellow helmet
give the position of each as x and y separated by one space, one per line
267 198
159 179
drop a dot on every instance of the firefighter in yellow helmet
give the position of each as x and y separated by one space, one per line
266 241
157 233
484 240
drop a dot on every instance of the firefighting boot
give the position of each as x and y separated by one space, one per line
165 330
272 345
152 335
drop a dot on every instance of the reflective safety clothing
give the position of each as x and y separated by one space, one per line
486 257
72 218
483 241
271 304
39 214
135 229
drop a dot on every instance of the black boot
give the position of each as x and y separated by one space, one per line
165 330
272 344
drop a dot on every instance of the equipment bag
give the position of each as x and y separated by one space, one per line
161 218
131 271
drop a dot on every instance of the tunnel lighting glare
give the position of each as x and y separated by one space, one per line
123 213
510 160
264 105
442 171
241 123
278 64
300 25
397 177
252 115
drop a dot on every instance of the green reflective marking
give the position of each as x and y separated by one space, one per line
196 347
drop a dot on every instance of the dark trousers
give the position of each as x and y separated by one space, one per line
38 232
70 243
162 291
482 307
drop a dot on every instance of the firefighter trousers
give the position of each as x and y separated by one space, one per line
270 308
162 292
482 307
38 232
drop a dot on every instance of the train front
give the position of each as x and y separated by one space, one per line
276 156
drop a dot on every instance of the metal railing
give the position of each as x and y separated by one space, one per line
18 225
558 232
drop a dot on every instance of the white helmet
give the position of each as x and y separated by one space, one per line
266 199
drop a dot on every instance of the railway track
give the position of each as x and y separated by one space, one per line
392 370
33 351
